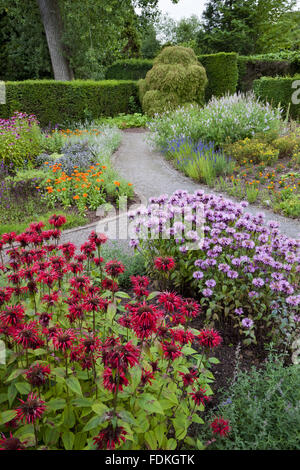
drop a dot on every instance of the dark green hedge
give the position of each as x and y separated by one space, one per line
279 91
254 67
62 102
130 69
222 73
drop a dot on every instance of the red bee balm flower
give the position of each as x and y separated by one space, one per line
31 409
108 438
171 351
57 220
63 339
164 263
220 426
170 301
12 315
199 396
28 336
37 375
114 268
209 338
113 380
11 443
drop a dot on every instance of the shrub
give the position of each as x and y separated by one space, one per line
222 73
252 150
98 373
263 409
278 91
243 272
129 69
287 145
20 139
55 102
253 68
176 78
230 118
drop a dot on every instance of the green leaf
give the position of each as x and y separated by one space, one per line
160 432
11 393
56 404
7 416
23 388
99 408
214 360
15 374
68 439
74 385
142 423
51 436
150 404
153 295
82 402
171 444
122 295
69 417
93 423
151 440
80 441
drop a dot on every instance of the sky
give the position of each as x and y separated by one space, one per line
184 8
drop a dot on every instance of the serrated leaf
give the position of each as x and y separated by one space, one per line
99 408
74 385
153 295
23 388
14 375
93 423
122 295
7 416
56 404
151 440
150 404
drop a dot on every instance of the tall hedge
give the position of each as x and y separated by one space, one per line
254 67
279 91
62 102
222 73
130 69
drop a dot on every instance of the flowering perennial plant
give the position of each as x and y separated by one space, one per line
89 366
243 272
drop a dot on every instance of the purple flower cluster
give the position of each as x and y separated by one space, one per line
235 251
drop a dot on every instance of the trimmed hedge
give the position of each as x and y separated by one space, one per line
254 67
279 91
222 73
58 102
130 69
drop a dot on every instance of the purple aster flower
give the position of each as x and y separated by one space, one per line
247 322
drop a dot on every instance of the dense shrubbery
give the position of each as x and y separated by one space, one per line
252 150
222 73
129 69
176 78
86 370
245 274
64 102
263 409
226 119
278 91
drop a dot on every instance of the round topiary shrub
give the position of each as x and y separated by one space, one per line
176 78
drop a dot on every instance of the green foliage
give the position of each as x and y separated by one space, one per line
252 150
126 121
279 91
263 409
287 145
254 67
63 102
176 78
129 69
222 73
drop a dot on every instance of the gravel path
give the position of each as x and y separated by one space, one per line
152 175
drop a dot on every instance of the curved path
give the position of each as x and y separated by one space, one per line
152 175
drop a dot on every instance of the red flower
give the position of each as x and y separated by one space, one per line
98 239
114 268
31 409
80 282
171 351
11 443
109 284
44 319
118 356
89 344
170 301
28 336
37 375
147 377
164 263
190 377
220 426
144 319
57 220
108 438
140 284
88 248
182 336
190 308
209 338
12 315
63 339
199 396
113 380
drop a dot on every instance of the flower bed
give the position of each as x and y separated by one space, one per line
88 366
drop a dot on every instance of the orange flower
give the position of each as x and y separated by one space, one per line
85 195
76 197
117 183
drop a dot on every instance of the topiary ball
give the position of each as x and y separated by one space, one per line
176 78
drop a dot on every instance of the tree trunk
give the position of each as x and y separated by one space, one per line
53 25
